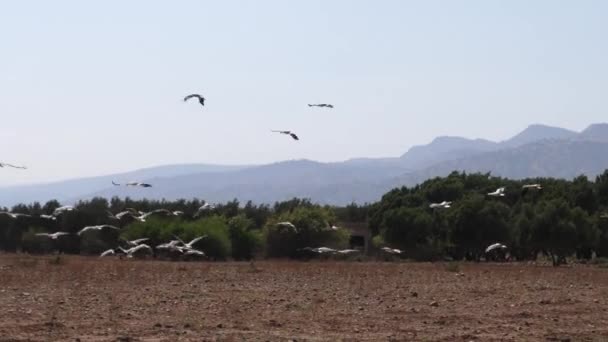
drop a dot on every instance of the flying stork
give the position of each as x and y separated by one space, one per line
321 105
500 192
201 99
290 133
13 166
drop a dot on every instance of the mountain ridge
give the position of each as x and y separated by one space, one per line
538 150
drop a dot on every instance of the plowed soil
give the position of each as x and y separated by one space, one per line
91 299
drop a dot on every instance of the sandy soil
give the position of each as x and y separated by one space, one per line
90 299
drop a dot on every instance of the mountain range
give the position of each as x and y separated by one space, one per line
538 151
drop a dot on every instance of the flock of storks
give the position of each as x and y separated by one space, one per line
201 100
500 192
173 248
137 247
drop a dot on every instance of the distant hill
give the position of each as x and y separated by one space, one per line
596 132
452 148
549 158
444 148
538 151
74 188
536 133
324 182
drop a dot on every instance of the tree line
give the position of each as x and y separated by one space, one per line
565 218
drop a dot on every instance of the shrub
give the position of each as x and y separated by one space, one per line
97 242
245 240
378 241
216 245
35 244
312 230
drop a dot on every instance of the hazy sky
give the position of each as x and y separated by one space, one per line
90 88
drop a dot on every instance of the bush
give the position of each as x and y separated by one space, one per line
378 241
312 230
98 241
31 243
216 245
245 240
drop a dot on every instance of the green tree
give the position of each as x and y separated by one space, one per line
312 230
244 238
477 223
553 231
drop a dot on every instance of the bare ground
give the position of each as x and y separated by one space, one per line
91 299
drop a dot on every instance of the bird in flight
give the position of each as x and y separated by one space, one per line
495 246
442 205
61 210
13 166
201 99
393 251
53 236
190 245
500 192
143 185
286 225
527 187
139 249
136 242
290 133
321 105
14 215
98 228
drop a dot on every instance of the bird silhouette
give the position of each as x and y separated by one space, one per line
53 236
13 166
290 133
201 99
143 185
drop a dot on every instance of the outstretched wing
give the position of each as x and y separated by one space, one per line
13 166
178 239
106 226
191 96
191 243
138 241
84 230
282 132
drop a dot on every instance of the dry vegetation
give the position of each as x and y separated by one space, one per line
71 298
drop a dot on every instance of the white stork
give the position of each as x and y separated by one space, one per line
97 228
53 236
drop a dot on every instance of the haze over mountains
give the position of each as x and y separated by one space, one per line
538 151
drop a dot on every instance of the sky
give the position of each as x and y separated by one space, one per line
93 88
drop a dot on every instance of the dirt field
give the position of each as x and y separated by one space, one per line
89 299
